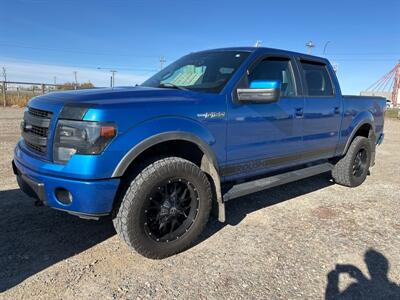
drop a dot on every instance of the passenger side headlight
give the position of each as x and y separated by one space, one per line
81 137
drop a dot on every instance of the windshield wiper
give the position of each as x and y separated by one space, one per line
171 85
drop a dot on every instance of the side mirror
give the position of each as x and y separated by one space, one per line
261 91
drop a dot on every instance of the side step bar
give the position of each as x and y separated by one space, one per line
250 187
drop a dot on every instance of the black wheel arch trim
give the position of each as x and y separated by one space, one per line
353 133
160 138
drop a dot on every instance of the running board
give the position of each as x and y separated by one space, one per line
250 187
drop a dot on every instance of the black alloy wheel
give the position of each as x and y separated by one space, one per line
172 209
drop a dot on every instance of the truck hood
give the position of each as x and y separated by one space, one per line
104 96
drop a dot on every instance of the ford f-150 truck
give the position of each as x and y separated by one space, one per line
212 126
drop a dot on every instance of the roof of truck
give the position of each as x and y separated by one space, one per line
264 49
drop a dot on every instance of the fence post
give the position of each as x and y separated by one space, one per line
42 85
4 93
18 92
33 90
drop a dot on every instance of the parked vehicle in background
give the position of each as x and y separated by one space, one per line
213 126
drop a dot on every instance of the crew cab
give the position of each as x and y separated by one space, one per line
213 126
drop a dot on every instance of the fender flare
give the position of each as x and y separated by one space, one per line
353 133
133 153
209 163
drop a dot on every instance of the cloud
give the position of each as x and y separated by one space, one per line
29 71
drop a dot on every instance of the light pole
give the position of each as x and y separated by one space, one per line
325 46
310 45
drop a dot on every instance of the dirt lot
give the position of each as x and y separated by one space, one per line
291 242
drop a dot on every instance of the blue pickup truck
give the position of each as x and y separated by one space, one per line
212 126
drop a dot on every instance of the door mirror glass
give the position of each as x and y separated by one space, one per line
265 84
261 91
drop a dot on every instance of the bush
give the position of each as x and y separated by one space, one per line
71 86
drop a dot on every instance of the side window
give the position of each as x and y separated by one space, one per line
318 81
275 69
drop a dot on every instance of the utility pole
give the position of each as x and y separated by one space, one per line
4 87
76 79
55 80
162 62
310 45
113 78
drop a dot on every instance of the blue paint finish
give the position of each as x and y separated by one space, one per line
321 124
235 133
89 197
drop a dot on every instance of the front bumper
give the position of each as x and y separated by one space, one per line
89 198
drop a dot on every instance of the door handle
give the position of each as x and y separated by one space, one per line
337 110
299 112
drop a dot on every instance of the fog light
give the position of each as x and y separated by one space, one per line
63 196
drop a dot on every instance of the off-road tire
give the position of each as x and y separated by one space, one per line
129 217
343 170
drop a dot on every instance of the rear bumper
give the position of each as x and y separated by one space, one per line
89 198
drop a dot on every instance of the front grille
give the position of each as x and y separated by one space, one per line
35 129
36 148
39 131
40 113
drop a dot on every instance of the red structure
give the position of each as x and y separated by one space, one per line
389 83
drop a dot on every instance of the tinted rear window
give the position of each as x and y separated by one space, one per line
318 81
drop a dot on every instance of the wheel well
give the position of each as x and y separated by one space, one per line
364 131
179 148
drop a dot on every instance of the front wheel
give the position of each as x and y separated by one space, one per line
165 208
352 169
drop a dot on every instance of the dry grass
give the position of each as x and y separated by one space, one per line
15 100
392 113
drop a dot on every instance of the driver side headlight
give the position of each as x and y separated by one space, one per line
81 137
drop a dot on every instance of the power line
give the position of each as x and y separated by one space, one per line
73 51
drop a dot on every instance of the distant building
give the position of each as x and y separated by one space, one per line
387 95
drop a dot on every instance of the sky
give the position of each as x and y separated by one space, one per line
47 40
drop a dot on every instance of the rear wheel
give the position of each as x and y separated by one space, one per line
165 208
352 169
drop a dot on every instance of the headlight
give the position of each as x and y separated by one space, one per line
81 137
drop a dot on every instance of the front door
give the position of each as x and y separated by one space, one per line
265 136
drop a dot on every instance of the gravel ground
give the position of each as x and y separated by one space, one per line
292 242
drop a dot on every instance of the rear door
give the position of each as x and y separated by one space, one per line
322 110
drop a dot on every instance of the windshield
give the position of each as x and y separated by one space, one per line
205 71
